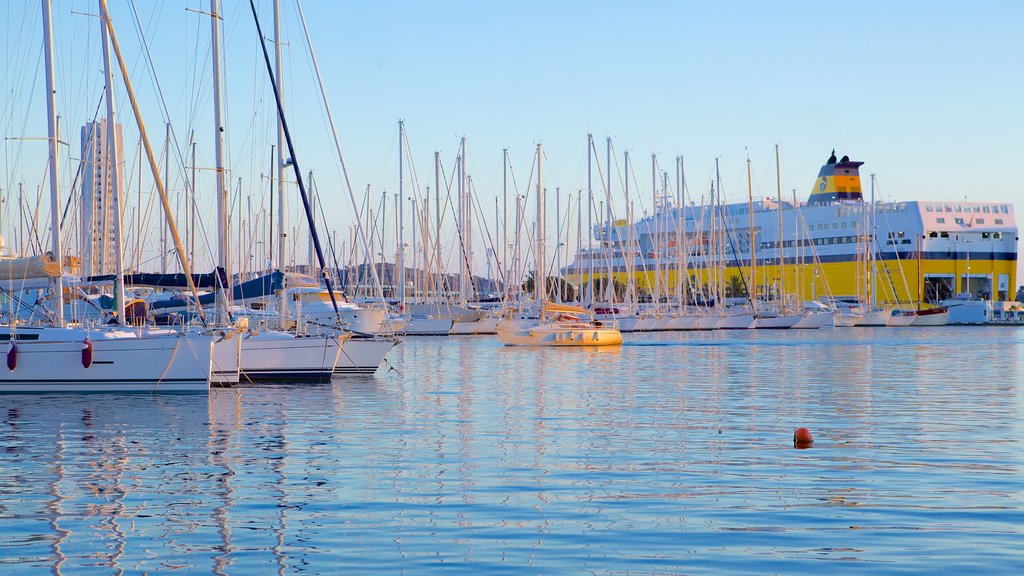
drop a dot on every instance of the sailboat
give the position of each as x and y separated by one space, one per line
61 357
553 324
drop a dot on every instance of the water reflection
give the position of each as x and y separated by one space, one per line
672 453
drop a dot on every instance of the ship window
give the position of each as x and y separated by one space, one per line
940 220
835 225
979 220
949 208
959 220
927 207
984 209
977 208
997 235
944 234
959 208
984 235
905 241
999 221
1005 209
933 234
901 234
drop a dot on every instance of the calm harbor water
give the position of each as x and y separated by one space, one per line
671 454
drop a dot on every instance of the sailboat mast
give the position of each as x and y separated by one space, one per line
223 230
871 245
115 181
441 283
401 221
463 230
504 212
51 125
540 276
282 261
753 254
590 219
167 178
782 258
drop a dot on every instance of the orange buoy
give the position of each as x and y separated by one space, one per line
12 357
87 353
802 438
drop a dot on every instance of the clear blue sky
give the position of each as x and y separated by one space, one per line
927 94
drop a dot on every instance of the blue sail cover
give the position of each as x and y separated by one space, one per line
258 288
159 280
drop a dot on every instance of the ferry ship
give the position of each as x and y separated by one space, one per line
835 245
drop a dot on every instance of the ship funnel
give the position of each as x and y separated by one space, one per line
837 180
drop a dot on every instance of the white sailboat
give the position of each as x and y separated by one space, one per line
118 359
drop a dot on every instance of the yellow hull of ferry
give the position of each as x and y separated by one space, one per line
897 282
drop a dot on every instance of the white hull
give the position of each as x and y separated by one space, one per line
122 361
463 328
709 322
276 356
899 320
487 325
736 322
363 355
812 320
646 324
847 320
875 318
428 327
683 323
940 319
779 322
227 354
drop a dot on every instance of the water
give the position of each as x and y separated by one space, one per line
671 454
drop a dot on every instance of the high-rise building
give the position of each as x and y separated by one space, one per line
97 205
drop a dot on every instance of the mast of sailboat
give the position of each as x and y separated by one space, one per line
753 254
871 240
401 222
223 232
540 276
111 157
504 213
782 258
167 186
282 236
630 233
295 167
441 281
51 125
463 231
590 219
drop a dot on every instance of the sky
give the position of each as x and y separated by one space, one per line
926 94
